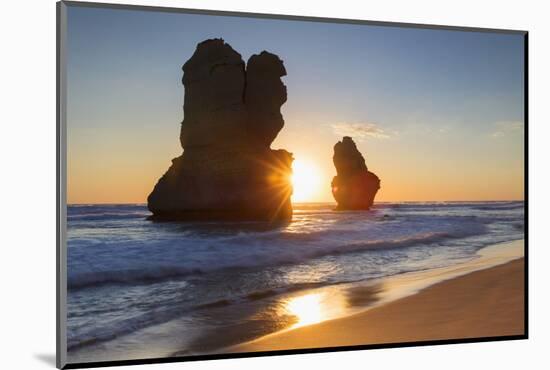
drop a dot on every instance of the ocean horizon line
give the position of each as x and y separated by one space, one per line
327 202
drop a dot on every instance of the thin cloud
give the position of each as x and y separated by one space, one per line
505 128
360 130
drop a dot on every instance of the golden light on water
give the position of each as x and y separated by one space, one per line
306 180
307 309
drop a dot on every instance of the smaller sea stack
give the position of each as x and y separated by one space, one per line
354 186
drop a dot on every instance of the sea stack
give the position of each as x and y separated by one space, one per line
231 116
354 186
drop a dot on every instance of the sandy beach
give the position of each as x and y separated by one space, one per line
483 303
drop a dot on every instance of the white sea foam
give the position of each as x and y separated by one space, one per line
153 252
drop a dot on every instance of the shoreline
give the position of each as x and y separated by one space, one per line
483 297
262 318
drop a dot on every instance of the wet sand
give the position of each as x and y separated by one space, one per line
486 302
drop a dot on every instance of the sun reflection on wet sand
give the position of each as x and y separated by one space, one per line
307 309
317 306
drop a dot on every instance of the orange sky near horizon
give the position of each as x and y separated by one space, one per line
97 175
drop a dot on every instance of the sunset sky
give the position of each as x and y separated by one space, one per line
438 115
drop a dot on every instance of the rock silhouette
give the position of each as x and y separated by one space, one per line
231 116
354 186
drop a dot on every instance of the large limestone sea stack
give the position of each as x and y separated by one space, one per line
231 116
354 186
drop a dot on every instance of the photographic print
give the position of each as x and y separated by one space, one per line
238 184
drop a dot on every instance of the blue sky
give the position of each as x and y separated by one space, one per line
414 99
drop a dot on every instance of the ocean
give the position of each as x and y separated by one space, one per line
142 289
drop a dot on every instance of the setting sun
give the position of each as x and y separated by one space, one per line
305 180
